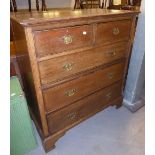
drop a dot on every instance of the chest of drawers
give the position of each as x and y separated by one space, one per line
73 64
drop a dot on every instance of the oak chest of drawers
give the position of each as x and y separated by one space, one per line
73 64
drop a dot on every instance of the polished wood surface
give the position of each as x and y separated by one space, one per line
35 18
53 41
12 49
73 64
113 31
71 91
62 118
49 143
61 67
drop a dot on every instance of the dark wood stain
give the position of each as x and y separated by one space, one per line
72 64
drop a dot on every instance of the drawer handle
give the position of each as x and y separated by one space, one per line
70 92
67 39
72 116
68 66
115 31
110 75
108 96
111 53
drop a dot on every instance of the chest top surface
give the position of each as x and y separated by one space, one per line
33 18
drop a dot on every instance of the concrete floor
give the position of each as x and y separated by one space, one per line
110 132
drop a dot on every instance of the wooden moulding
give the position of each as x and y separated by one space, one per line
82 17
35 73
78 22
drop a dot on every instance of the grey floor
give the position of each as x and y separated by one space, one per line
110 132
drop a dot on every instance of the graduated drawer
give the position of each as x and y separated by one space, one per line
62 39
83 108
113 31
61 67
66 93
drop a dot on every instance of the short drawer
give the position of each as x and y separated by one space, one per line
59 40
83 108
66 93
113 31
61 67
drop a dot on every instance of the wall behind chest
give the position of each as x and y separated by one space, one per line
134 90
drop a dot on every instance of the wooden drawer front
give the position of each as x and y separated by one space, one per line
113 31
59 40
69 92
83 108
61 67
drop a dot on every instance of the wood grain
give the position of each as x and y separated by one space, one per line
35 74
62 118
106 31
61 67
72 63
56 97
52 41
41 18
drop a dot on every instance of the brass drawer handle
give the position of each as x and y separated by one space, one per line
110 75
115 31
70 92
72 115
68 66
108 96
111 53
67 39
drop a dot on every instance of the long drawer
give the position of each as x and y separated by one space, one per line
61 67
64 94
62 39
83 108
113 31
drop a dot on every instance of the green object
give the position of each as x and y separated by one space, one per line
22 139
